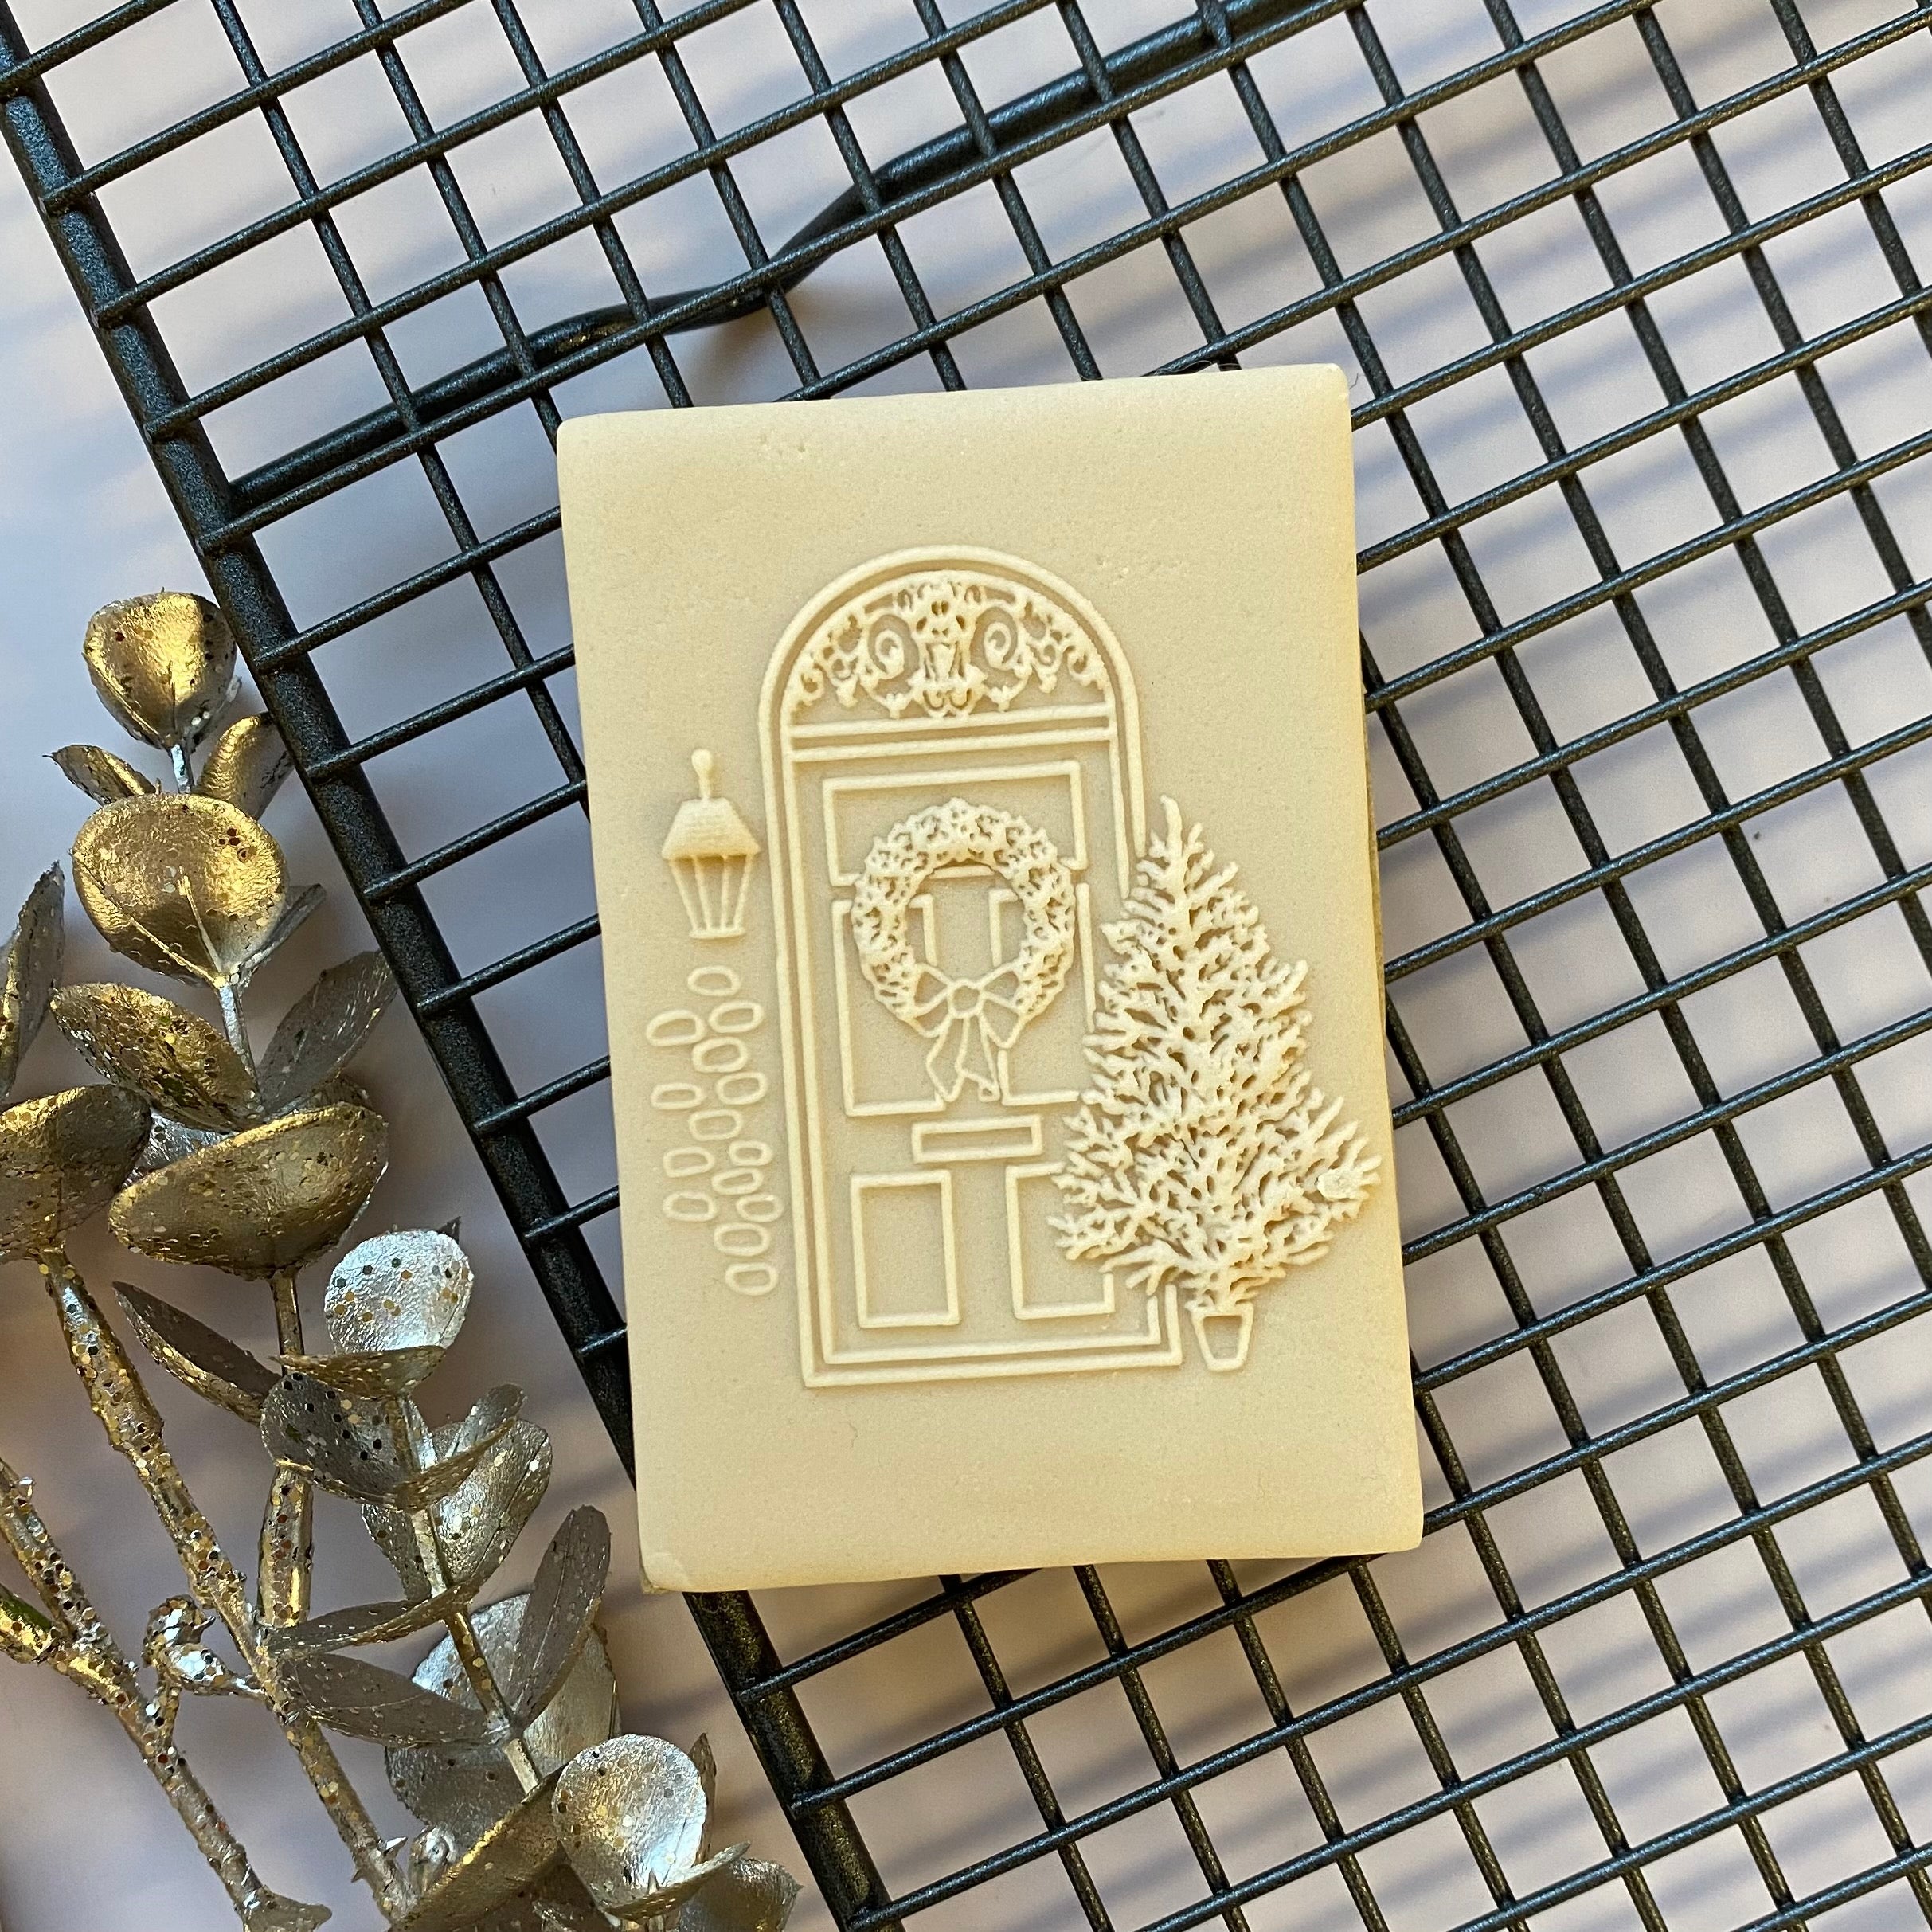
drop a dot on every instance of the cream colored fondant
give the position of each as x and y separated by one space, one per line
1020 1231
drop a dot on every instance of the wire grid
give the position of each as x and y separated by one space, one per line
1479 743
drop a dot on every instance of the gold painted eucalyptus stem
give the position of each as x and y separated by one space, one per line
133 1426
287 1548
413 1432
82 1651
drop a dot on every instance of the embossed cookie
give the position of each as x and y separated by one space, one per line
982 853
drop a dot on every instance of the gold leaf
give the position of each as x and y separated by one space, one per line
183 1067
163 665
272 1198
246 765
29 971
187 886
103 776
61 1158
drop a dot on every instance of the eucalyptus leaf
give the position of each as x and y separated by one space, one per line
272 1198
515 1852
222 1371
29 971
324 1030
292 916
100 774
62 1158
184 885
362 1700
464 1789
479 1521
179 1063
631 1816
352 1445
392 1372
246 765
410 1289
750 1895
163 665
168 1141
563 1599
361 1623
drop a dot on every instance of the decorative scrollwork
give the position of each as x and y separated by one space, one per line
942 643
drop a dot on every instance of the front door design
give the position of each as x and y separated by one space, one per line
953 791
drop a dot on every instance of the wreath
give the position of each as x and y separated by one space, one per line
968 1020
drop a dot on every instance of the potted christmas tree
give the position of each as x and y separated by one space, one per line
1202 1155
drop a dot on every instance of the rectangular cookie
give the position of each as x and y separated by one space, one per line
983 851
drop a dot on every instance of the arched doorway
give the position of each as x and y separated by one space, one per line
952 772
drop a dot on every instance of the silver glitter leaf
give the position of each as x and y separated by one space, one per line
246 765
272 1198
362 1623
405 1290
631 1815
222 1371
465 1790
513 1853
294 914
100 774
363 1700
351 1446
325 1029
563 1599
62 1158
479 1521
179 1063
29 971
752 1895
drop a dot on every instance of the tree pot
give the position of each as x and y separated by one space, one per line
1223 1334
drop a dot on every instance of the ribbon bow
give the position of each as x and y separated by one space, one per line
959 1022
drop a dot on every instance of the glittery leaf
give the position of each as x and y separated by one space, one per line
191 1352
362 1700
246 765
182 1067
29 971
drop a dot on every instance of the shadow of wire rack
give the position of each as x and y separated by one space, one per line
1632 301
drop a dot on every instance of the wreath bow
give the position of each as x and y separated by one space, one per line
959 1019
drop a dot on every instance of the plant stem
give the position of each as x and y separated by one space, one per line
87 1655
228 994
413 1433
133 1426
287 1546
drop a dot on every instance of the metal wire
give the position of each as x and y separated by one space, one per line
1212 54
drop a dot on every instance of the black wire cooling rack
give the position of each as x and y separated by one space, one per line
1640 355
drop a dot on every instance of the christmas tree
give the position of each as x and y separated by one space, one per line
1202 1155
